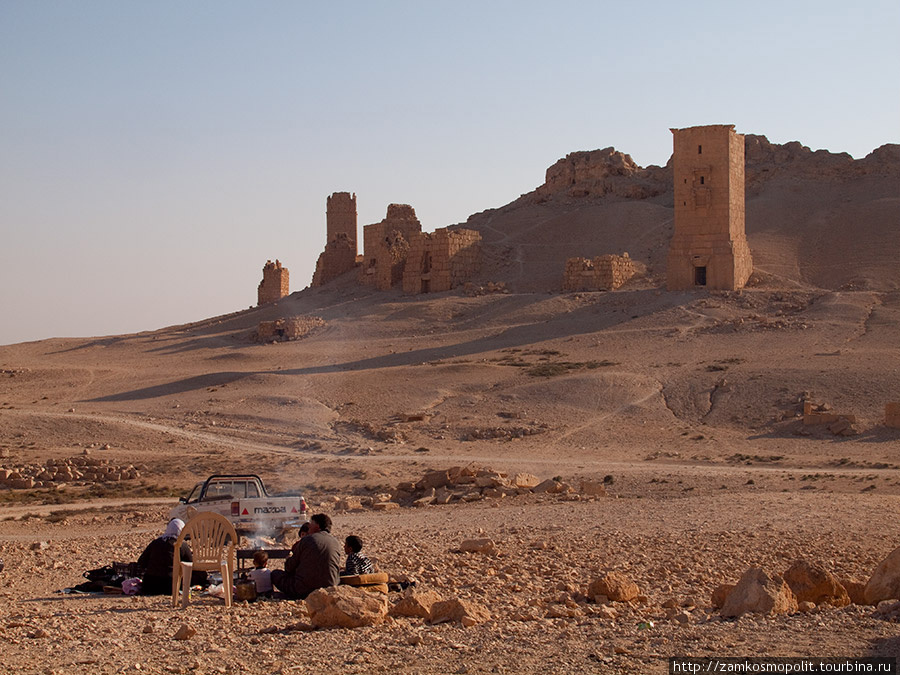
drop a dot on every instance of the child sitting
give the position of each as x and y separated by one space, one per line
261 575
356 563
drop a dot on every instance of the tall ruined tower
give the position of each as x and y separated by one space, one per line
275 283
340 217
709 245
339 255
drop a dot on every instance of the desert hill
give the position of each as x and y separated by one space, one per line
552 376
813 219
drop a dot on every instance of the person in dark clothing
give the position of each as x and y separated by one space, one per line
315 561
157 559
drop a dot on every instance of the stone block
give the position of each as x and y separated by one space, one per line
892 415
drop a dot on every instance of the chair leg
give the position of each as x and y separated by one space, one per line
227 583
186 571
176 584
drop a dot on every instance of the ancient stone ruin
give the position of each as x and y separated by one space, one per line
441 261
339 255
395 251
274 284
709 245
603 273
290 328
386 246
840 424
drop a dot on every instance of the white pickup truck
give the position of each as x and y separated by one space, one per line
243 499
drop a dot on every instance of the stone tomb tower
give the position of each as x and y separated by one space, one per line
339 255
709 245
340 216
274 284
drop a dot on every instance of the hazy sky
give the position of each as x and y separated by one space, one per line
154 155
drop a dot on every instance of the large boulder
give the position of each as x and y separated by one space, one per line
884 584
811 583
457 610
615 586
760 593
415 603
345 607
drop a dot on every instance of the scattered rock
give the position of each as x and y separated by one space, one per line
345 607
760 593
549 486
185 632
457 610
720 594
884 584
615 586
485 546
811 583
592 489
856 590
415 603
525 480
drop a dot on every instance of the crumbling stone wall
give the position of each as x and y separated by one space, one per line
386 246
442 260
274 284
709 245
339 255
290 328
603 273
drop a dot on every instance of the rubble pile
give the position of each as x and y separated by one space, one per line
55 473
469 484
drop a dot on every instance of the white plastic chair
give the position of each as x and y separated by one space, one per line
212 539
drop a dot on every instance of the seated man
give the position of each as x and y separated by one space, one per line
315 561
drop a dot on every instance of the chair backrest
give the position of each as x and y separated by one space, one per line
213 539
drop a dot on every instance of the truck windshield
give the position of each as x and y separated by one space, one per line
194 494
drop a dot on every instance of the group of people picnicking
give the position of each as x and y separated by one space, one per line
317 560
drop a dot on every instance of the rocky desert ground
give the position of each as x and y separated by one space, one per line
669 424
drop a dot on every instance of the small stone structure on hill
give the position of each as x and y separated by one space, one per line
339 255
274 284
603 273
290 328
840 424
709 245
